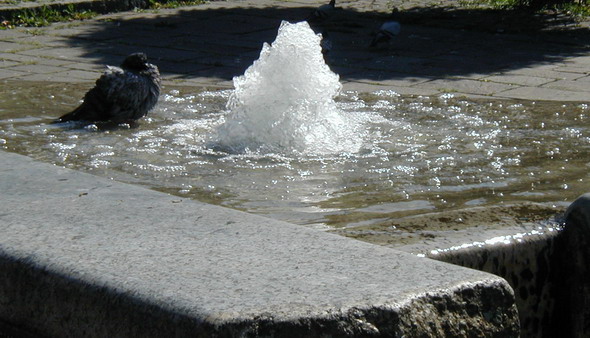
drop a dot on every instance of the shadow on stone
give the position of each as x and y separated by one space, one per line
545 25
222 42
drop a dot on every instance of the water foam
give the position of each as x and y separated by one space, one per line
284 102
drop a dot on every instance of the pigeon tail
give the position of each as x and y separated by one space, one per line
71 116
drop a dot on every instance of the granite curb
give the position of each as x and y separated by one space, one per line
100 258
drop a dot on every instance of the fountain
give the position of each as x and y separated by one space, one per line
288 143
284 103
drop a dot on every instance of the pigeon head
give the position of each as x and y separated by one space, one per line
135 61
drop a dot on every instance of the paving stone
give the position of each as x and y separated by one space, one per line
467 76
5 46
79 74
37 69
465 86
9 73
48 41
584 79
582 60
371 87
67 75
205 83
574 86
21 48
71 53
544 71
7 63
13 35
55 77
387 79
522 80
52 62
18 57
94 67
550 94
432 60
574 68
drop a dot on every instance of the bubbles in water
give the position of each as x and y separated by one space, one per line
285 101
367 156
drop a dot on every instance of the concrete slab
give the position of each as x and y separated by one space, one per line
19 58
575 68
550 94
8 73
465 86
7 63
585 79
544 71
523 80
578 85
5 45
37 69
93 257
66 76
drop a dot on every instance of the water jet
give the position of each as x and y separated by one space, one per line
295 147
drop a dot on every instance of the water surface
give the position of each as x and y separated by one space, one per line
418 155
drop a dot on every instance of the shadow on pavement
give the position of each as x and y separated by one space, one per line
434 42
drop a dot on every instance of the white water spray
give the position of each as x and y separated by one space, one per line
284 102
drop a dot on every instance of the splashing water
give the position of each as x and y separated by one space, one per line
279 144
421 154
285 101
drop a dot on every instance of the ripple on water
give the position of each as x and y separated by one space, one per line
289 144
415 151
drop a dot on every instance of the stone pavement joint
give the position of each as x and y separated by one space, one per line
207 45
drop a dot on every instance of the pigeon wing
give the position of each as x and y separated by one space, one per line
125 93
98 103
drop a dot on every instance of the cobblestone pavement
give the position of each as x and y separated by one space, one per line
441 49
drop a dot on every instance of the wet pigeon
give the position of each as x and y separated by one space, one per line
386 33
323 12
121 94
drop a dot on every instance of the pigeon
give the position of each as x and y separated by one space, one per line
323 12
386 33
121 94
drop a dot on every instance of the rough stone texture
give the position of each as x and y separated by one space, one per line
548 269
572 291
207 45
526 265
86 256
